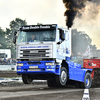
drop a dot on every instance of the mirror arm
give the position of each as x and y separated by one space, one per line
14 38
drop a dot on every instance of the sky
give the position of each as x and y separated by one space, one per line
51 12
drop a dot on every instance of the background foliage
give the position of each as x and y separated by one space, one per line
6 37
80 42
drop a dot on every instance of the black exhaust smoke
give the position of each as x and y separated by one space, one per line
72 8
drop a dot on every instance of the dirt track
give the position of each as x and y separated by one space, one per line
40 91
20 91
9 74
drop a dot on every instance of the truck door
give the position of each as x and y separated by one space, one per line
61 45
68 45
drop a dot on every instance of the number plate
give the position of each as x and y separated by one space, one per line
33 67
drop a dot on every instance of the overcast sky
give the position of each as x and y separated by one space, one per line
33 11
50 12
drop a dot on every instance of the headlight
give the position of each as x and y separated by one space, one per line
51 64
20 64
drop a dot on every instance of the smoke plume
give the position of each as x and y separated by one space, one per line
97 2
72 9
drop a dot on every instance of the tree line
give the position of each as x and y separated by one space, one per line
6 37
80 40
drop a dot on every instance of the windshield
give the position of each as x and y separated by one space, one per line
36 36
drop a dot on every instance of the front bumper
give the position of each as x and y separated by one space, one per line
25 67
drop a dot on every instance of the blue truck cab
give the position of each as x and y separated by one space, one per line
43 52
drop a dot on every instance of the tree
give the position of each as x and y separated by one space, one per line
3 44
14 25
39 24
80 41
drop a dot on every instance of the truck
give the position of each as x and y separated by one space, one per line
5 53
48 56
94 64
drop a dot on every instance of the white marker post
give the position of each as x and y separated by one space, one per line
86 95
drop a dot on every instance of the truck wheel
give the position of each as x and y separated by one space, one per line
62 78
26 79
87 80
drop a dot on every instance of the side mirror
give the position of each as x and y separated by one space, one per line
14 38
58 43
62 35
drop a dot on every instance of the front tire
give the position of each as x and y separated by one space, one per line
61 79
26 79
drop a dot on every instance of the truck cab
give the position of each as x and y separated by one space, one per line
50 42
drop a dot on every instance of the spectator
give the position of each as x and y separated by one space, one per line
10 61
4 59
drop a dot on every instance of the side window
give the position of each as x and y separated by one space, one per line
62 35
22 37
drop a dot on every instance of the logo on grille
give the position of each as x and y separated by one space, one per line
35 51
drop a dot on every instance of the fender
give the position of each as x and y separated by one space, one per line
76 73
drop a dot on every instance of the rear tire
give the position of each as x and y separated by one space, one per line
61 79
26 79
87 80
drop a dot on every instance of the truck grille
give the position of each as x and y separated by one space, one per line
34 53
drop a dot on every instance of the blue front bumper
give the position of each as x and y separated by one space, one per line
37 67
